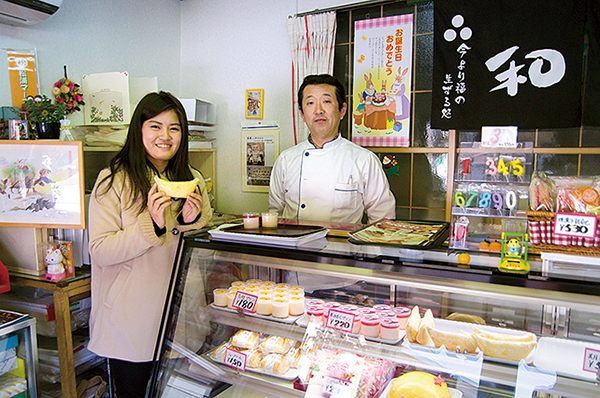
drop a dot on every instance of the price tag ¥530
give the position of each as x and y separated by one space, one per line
235 359
244 301
340 320
576 225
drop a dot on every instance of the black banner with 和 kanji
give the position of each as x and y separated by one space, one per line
508 62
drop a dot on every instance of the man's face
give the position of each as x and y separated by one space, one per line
321 111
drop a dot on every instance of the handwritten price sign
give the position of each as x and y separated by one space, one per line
244 301
499 137
575 225
340 320
235 359
334 387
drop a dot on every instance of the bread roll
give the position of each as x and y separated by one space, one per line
512 348
176 189
275 364
253 358
423 337
412 325
525 336
457 316
219 354
453 341
276 345
293 356
245 339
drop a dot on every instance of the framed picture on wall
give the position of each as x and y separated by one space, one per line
41 184
260 148
254 103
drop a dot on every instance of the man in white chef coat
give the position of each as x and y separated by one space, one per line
328 178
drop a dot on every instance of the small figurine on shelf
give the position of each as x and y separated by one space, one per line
55 270
514 253
65 130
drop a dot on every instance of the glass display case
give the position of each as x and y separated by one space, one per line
333 318
18 356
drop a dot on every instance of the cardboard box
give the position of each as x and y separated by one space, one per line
19 250
200 111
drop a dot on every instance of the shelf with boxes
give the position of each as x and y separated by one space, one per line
203 159
491 193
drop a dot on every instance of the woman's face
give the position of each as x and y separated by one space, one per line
161 135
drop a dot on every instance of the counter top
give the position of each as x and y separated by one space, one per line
421 264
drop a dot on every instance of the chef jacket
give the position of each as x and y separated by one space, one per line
336 183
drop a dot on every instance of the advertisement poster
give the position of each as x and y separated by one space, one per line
382 81
260 148
22 70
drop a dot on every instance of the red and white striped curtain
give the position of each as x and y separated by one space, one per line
312 40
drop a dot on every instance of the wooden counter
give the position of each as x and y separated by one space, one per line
64 293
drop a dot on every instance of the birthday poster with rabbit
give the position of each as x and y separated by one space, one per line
382 81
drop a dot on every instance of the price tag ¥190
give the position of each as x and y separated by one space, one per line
340 320
235 359
244 301
575 225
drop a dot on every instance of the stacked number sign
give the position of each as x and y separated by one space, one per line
490 193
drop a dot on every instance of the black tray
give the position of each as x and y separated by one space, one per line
434 240
282 230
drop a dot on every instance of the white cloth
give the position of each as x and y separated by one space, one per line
312 41
336 183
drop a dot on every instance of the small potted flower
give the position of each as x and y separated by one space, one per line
68 92
44 116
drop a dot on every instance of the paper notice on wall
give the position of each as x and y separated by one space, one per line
22 70
260 148
106 98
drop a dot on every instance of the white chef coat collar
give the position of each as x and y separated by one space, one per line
326 145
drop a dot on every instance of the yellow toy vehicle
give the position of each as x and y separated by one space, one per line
513 256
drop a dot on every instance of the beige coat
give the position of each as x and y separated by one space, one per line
131 269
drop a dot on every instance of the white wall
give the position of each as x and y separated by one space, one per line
229 46
213 50
141 37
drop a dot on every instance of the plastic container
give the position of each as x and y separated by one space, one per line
389 329
297 305
353 309
251 220
369 326
315 310
297 289
269 220
382 307
220 297
402 313
264 306
387 314
281 308
366 311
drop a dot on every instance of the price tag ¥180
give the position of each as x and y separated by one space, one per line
575 225
235 359
340 320
244 301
